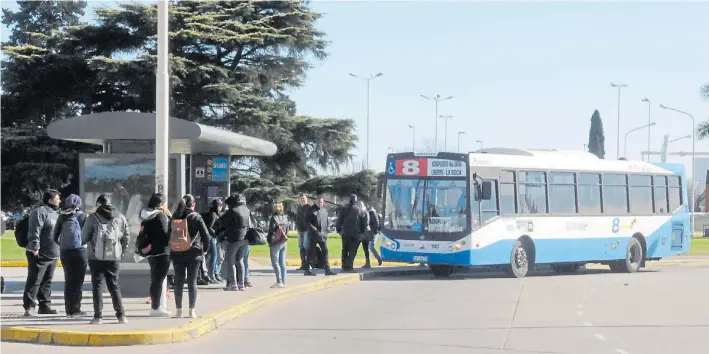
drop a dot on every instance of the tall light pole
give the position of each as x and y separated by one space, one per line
649 119
625 141
436 98
459 134
694 155
162 114
619 86
481 143
368 79
445 131
413 137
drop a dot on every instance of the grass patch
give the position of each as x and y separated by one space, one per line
699 247
9 250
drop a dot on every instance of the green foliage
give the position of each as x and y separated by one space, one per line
367 185
231 66
703 127
596 138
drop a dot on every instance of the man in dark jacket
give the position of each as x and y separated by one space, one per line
301 225
318 225
234 224
212 261
67 233
351 224
42 255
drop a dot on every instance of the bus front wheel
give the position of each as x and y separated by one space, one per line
519 261
442 271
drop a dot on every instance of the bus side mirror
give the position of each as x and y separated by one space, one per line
486 190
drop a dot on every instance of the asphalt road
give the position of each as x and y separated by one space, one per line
661 311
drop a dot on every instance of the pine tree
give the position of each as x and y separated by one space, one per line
232 64
596 139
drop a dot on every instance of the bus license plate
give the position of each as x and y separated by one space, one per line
422 259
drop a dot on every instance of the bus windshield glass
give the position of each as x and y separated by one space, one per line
427 205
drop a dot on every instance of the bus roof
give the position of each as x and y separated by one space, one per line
551 159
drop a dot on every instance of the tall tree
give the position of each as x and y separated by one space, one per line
703 127
232 64
596 138
39 81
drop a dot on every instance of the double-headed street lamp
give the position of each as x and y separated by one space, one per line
694 154
459 134
625 141
436 98
445 131
368 79
619 86
680 138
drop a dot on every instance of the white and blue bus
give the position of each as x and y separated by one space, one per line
516 208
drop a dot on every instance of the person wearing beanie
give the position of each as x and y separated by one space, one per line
72 252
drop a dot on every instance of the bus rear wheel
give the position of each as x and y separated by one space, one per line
519 261
633 258
442 271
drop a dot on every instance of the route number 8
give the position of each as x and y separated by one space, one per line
410 167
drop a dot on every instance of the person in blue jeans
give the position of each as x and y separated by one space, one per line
210 219
247 282
277 240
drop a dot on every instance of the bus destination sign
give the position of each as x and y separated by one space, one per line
427 167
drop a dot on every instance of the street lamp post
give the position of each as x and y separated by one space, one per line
459 134
445 131
680 138
162 114
436 98
413 138
694 154
368 79
481 143
649 119
619 86
625 141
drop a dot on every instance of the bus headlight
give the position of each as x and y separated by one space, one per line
455 247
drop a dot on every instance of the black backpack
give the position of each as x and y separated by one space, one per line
21 231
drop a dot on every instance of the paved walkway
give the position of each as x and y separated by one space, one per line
210 299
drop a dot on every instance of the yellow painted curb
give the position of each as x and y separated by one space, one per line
189 331
19 264
295 263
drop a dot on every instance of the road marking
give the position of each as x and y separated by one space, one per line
593 289
587 323
580 306
580 313
600 337
621 351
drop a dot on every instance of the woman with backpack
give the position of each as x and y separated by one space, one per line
152 242
189 237
277 240
72 252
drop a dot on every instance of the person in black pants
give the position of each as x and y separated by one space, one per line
73 254
186 263
351 224
155 226
318 225
101 228
42 255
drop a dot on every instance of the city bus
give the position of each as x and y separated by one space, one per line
513 209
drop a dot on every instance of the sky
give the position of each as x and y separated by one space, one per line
524 74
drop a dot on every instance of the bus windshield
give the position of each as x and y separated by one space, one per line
427 205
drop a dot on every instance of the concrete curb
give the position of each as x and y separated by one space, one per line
191 330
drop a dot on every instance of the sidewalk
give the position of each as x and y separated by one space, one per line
214 306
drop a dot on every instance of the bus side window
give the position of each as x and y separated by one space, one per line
675 193
508 196
661 195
